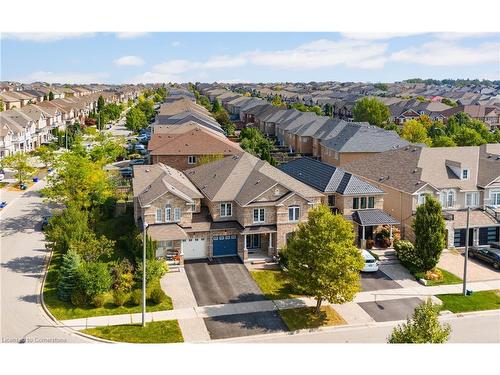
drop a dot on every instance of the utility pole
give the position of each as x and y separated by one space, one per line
466 255
144 274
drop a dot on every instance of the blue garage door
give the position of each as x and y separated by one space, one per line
225 246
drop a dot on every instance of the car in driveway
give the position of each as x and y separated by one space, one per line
371 264
126 172
137 162
486 254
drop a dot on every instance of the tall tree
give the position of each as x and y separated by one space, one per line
216 107
422 328
322 258
136 120
414 131
21 164
51 95
430 230
46 155
371 110
66 227
100 103
68 275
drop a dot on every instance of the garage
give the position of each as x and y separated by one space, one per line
225 245
194 248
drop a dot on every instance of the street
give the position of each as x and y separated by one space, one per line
480 327
23 257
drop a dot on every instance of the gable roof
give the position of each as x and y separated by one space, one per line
327 178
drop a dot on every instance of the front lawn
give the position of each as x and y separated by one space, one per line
163 332
274 284
306 317
448 278
478 301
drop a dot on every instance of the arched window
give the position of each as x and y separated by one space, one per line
168 212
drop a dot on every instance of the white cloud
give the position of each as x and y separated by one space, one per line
441 53
129 61
377 35
175 43
45 37
51 77
323 54
130 35
451 36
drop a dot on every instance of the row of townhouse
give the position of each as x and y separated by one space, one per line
459 177
26 128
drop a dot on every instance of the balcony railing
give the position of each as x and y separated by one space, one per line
493 211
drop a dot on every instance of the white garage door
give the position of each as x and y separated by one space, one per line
194 248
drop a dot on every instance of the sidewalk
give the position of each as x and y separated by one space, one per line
195 312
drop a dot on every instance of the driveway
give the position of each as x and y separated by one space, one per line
476 270
390 310
221 281
377 281
225 281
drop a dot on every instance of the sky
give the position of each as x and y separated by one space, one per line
247 57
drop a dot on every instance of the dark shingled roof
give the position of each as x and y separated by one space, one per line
327 178
373 217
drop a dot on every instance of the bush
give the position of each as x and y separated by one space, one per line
407 255
78 298
68 275
433 275
119 297
157 295
99 300
385 242
136 297
283 258
155 269
369 244
94 279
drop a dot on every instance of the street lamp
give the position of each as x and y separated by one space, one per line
466 255
144 274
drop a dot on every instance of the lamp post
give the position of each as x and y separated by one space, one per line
466 255
144 274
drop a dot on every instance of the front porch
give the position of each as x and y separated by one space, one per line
259 243
368 220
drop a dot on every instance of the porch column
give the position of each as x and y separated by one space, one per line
245 250
363 239
270 250
390 235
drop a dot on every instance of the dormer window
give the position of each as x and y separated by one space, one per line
465 174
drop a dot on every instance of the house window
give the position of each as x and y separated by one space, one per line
168 210
193 207
331 200
371 202
363 202
293 213
465 174
472 199
495 198
191 159
421 198
177 214
226 209
158 215
167 245
259 215
253 241
450 201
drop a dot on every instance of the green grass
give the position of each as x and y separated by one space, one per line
274 284
167 331
448 278
478 301
306 318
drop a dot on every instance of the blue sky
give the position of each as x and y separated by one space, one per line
247 57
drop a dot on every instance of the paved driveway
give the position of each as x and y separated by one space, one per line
476 270
377 281
220 281
389 310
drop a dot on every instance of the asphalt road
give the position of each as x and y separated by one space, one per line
481 327
23 257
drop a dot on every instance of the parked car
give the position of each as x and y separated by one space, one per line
139 147
127 172
495 245
2 175
3 204
45 221
371 264
137 162
486 254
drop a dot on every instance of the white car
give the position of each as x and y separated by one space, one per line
371 264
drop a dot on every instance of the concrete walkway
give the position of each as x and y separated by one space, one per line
350 312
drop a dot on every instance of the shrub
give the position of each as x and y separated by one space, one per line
78 298
136 297
155 269
407 255
157 295
123 277
68 275
119 297
94 279
385 242
283 258
435 275
99 300
370 243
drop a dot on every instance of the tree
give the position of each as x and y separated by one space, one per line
147 107
136 120
414 132
443 141
430 230
205 159
100 103
468 137
322 258
68 275
46 155
328 110
216 107
2 108
51 95
449 102
92 248
107 149
277 102
67 227
422 328
371 110
20 163
94 279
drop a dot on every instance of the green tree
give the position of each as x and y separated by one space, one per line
371 110
443 141
136 120
277 102
205 159
46 155
468 137
155 269
66 227
322 258
68 275
21 164
430 230
100 103
51 95
449 102
2 108
92 248
107 149
147 107
94 279
423 328
328 110
415 132
216 107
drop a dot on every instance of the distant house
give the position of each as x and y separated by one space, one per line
490 115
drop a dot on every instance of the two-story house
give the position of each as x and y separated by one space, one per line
354 198
459 177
